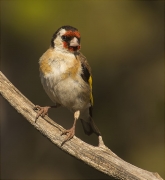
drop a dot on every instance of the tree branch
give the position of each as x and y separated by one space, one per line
102 159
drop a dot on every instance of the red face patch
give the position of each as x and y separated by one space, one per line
74 48
70 35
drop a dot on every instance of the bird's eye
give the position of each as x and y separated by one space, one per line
64 38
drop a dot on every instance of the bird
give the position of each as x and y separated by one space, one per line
67 79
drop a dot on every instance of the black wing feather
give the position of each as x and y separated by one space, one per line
85 73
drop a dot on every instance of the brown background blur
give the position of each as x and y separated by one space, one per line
124 44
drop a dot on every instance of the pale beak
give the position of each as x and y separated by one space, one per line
74 42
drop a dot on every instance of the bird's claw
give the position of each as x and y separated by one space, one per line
70 133
42 111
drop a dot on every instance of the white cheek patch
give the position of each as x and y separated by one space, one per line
58 41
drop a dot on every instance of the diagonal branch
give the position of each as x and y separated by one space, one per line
102 159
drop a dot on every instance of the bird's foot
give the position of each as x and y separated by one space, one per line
42 111
70 133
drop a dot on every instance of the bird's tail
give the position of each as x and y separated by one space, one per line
90 127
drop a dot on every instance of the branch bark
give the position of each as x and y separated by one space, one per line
102 159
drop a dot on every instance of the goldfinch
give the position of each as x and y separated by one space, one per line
66 78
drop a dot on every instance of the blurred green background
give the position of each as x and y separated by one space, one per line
124 44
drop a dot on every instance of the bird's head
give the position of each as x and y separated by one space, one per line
66 38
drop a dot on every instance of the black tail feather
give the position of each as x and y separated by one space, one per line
90 127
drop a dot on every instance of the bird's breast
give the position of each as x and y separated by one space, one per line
60 65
